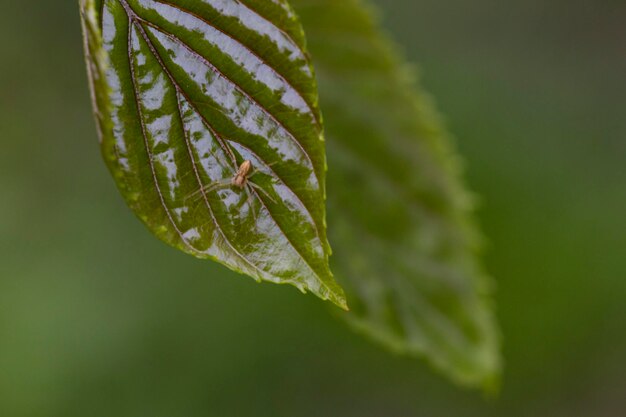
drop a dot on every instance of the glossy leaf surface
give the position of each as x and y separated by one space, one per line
185 91
405 247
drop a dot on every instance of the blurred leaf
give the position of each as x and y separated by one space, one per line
405 245
185 91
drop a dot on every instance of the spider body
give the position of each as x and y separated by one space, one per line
241 177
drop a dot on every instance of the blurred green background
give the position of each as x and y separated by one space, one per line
98 318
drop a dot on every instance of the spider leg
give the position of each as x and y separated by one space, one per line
253 173
255 170
260 189
250 202
210 187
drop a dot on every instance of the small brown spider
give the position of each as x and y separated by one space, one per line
241 180
241 177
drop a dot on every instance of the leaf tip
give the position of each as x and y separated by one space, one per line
343 304
338 297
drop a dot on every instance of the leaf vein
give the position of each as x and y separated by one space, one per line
145 138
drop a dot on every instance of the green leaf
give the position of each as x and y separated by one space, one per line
405 247
184 92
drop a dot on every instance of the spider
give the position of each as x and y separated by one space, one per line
240 180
